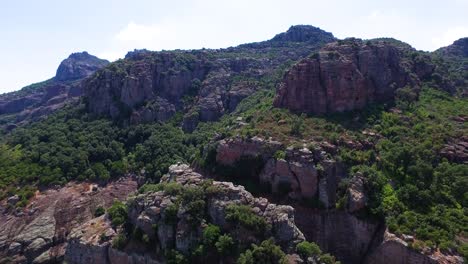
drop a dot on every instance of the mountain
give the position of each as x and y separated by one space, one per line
459 48
43 98
299 149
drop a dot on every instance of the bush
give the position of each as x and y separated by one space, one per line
119 242
118 213
327 259
280 154
266 253
224 245
175 257
308 249
243 215
211 234
99 211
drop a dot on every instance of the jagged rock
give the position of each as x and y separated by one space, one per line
338 232
231 150
393 250
13 200
119 257
457 150
356 197
348 75
185 235
86 246
160 110
42 236
78 66
200 81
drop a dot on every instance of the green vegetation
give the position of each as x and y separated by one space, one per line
118 213
244 216
99 211
266 253
308 249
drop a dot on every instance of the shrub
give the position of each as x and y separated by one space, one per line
211 234
243 215
175 257
308 249
280 154
170 214
119 242
118 213
224 245
266 253
327 259
99 211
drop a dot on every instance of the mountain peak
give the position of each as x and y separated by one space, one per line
459 48
304 33
79 65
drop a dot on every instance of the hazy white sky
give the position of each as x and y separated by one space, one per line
37 35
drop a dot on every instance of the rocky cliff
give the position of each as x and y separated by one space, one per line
350 74
38 233
309 180
203 84
150 212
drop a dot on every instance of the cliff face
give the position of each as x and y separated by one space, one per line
348 75
38 233
151 209
203 84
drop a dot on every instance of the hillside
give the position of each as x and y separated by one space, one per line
358 147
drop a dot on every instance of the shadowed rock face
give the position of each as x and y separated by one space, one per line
348 75
78 66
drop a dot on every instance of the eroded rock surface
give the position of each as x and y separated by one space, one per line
91 242
38 233
348 75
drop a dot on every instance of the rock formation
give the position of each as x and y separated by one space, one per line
348 75
78 66
90 243
203 84
38 233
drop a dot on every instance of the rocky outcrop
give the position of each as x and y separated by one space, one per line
301 173
78 66
456 150
38 233
357 199
348 75
338 232
149 209
393 250
151 212
202 84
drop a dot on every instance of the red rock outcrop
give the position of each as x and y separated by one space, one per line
38 233
348 75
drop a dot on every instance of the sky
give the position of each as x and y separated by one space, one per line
35 36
